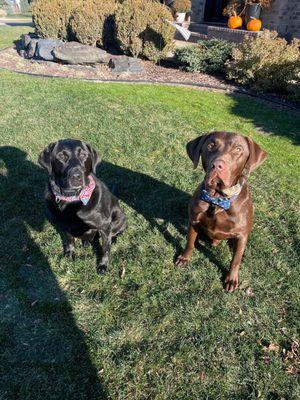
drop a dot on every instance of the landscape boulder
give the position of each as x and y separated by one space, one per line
45 47
125 64
26 39
77 53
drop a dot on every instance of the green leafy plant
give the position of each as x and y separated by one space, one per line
265 62
208 56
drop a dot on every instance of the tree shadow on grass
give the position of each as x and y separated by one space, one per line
43 354
268 119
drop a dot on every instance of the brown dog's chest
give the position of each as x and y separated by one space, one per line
219 224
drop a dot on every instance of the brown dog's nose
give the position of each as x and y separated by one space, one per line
219 165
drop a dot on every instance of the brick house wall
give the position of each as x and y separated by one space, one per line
283 16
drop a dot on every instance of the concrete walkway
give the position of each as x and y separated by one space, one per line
15 22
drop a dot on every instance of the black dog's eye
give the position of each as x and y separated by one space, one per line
211 146
82 155
62 156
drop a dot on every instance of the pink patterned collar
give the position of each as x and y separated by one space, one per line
84 196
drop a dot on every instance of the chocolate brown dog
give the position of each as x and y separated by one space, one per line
221 207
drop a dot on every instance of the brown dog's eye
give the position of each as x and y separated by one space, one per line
238 149
62 157
210 146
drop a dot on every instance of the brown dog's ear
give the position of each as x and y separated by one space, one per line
45 157
194 147
256 156
94 157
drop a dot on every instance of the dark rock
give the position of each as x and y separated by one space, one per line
77 53
23 53
31 49
45 47
125 64
26 39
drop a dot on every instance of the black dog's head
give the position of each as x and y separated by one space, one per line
69 163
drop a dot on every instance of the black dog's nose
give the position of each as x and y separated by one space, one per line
76 175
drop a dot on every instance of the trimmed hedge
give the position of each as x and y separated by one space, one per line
51 17
91 21
141 29
138 27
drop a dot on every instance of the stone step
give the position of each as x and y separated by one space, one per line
199 28
219 31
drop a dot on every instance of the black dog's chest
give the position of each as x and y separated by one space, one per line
66 217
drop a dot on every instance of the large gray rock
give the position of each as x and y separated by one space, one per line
77 53
125 64
45 47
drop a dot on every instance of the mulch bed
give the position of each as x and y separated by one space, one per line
10 59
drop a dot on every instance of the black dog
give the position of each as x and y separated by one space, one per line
78 202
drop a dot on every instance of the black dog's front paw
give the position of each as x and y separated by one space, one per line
85 243
101 269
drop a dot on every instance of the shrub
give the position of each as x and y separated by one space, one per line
91 21
51 17
265 62
294 88
181 6
208 56
158 36
141 29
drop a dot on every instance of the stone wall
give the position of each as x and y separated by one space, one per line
284 17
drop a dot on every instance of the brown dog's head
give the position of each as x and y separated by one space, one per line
224 157
69 163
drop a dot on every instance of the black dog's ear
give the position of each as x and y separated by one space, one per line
94 157
194 147
256 156
45 157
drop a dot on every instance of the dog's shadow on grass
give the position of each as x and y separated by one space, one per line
43 354
160 204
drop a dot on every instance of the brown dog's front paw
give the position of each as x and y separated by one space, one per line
182 260
231 282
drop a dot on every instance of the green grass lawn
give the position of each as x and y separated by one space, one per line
146 330
8 34
24 15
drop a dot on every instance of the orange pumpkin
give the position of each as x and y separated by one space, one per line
235 22
254 25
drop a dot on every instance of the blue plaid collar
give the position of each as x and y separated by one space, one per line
223 202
